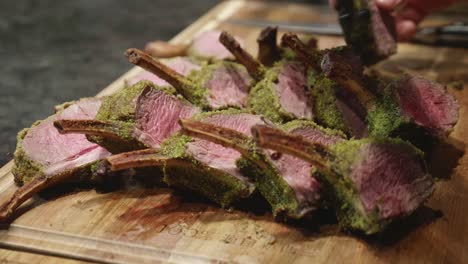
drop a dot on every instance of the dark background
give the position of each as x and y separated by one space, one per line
53 51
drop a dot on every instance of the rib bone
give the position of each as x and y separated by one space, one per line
178 81
254 68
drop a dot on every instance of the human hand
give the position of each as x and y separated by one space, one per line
412 12
408 13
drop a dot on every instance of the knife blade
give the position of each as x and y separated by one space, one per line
453 35
311 28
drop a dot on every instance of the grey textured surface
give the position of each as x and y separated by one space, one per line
54 51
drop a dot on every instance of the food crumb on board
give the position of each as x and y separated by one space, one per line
457 85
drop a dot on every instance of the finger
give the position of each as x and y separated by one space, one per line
407 20
406 30
411 12
332 3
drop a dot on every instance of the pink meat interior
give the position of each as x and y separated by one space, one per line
297 173
383 26
207 45
390 179
291 89
228 86
428 104
182 65
58 153
217 156
352 119
157 116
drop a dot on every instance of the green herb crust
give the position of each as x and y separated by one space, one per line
175 146
385 117
124 142
341 192
264 100
24 169
216 185
270 183
121 106
271 186
119 109
184 171
229 111
200 93
288 54
386 120
295 124
326 112
343 197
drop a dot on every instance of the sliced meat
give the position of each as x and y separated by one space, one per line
281 91
356 123
414 109
291 90
285 182
369 30
227 85
137 117
336 86
217 156
353 98
51 153
345 69
332 107
345 57
428 104
370 182
199 165
297 172
282 95
389 178
214 86
157 114
44 158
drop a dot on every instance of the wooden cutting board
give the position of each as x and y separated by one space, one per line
150 225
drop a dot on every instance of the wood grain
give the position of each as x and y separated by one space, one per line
18 257
152 225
